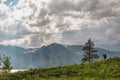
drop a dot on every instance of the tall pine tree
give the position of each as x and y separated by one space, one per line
89 52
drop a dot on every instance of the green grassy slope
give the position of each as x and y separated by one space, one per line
99 70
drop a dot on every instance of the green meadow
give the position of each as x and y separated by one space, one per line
108 69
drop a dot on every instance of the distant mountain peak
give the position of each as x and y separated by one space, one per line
55 44
46 56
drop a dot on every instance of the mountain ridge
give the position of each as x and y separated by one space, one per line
47 56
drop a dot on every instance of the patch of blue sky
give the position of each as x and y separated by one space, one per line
11 3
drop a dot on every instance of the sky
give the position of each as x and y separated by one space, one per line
34 23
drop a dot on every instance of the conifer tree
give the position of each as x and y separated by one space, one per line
89 52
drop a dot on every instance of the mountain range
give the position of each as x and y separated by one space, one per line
48 56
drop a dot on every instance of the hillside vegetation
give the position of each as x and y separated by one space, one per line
99 70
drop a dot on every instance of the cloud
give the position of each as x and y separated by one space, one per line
95 9
33 23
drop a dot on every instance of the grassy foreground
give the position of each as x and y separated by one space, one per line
99 70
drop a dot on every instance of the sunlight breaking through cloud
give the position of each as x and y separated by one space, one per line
33 23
